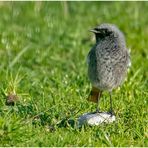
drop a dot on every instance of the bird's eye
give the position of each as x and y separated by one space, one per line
96 29
105 30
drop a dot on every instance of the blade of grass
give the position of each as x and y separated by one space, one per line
18 56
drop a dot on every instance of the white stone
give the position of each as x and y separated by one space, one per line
94 118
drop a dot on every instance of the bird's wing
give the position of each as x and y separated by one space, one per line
88 58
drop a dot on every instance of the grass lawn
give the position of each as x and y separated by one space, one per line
43 49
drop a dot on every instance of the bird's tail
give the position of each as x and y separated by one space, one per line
94 94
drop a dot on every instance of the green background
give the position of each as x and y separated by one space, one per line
43 50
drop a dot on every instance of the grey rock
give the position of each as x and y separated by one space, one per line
95 119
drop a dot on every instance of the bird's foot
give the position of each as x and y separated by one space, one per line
111 112
98 110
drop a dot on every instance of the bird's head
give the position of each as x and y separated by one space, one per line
105 30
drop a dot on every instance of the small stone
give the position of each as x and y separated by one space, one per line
94 118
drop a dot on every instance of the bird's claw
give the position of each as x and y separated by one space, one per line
111 112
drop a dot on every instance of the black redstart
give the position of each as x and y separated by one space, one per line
108 61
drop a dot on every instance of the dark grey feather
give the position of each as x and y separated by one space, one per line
109 58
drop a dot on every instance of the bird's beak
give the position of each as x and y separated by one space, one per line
94 31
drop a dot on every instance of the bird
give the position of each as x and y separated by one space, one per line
108 62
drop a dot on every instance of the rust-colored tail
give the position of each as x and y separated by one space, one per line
94 94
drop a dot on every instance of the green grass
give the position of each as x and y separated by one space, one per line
43 49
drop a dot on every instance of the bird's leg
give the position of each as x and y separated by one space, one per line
98 100
94 96
111 106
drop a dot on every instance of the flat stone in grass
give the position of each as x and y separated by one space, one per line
95 118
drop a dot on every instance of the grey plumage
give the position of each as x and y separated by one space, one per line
108 59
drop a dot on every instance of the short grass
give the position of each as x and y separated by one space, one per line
43 49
